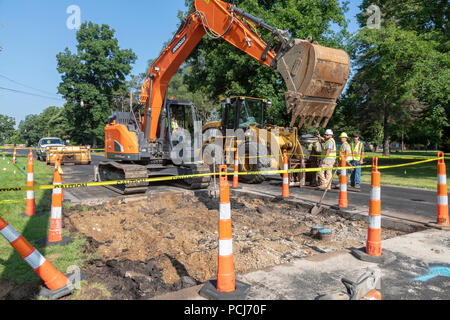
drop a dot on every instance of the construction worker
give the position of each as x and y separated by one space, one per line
328 162
347 151
345 147
174 122
314 160
357 148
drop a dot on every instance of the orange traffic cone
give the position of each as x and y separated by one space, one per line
30 209
343 199
442 196
373 246
58 161
443 219
236 171
285 193
55 234
226 287
31 204
57 283
374 252
14 157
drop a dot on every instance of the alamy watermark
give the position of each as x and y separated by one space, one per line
74 20
215 147
374 20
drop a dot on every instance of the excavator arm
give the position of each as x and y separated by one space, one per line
314 75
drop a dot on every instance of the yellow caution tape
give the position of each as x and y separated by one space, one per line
10 201
171 178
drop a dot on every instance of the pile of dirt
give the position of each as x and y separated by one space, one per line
169 241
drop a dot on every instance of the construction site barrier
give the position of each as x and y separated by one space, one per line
183 177
226 286
442 194
343 199
374 251
30 209
225 274
373 246
53 279
55 233
236 171
285 191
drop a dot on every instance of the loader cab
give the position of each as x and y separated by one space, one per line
181 118
243 112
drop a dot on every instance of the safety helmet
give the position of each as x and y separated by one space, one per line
344 135
329 132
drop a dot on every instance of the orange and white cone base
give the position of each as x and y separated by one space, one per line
226 287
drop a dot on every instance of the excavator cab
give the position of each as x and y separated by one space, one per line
182 118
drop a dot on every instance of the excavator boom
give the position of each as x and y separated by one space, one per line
315 76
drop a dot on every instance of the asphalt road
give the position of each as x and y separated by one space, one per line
406 203
418 205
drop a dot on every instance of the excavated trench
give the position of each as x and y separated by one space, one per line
168 241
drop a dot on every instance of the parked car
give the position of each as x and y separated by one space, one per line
44 144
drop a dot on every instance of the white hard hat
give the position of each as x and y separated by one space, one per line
329 132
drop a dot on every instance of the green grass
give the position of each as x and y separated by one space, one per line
418 176
12 266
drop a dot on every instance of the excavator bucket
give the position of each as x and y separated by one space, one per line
315 77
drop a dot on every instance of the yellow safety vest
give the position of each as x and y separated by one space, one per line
357 151
174 124
348 156
332 155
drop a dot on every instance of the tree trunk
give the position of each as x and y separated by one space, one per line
386 147
403 140
94 141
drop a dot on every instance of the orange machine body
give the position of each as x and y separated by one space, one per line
121 142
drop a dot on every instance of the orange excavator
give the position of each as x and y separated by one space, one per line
315 77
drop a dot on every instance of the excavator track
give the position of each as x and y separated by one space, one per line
111 171
198 183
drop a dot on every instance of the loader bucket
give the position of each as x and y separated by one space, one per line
315 77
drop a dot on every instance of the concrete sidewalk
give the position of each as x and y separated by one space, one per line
305 279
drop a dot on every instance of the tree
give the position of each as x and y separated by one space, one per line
92 81
6 128
402 71
31 129
220 70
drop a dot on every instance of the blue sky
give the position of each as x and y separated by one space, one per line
32 33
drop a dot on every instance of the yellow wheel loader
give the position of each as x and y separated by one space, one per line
242 126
